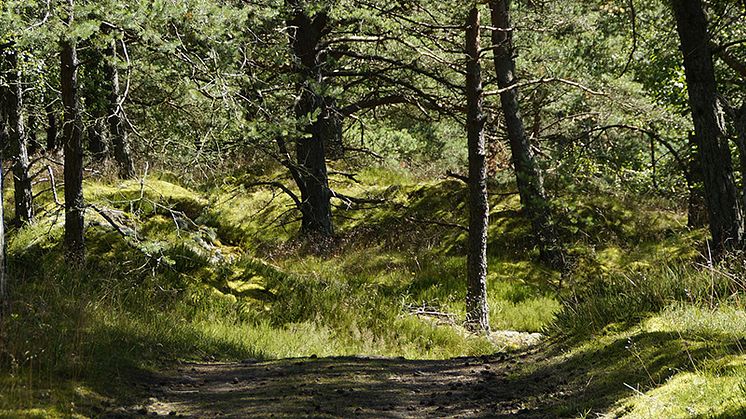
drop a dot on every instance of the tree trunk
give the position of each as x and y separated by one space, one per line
477 313
119 140
697 208
3 273
527 171
740 124
96 142
305 36
52 140
310 155
73 148
33 141
717 168
22 192
332 131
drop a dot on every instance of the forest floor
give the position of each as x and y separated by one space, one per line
501 385
639 330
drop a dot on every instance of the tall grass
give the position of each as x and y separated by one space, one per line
633 295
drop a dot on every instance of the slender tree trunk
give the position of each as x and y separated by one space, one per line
477 313
3 273
73 148
22 192
653 164
119 140
717 168
52 140
528 174
740 124
33 141
305 37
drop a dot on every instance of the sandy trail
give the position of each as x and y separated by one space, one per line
342 387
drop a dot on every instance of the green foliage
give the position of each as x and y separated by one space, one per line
210 87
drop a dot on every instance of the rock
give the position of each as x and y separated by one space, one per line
515 339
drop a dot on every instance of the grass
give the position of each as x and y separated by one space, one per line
713 387
217 274
657 341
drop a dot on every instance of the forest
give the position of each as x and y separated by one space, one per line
364 208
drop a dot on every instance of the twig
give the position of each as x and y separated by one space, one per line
633 18
53 184
454 175
542 81
350 176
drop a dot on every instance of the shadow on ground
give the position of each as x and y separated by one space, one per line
540 382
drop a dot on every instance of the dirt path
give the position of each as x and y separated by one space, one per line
355 387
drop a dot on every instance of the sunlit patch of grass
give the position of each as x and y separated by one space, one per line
713 385
693 394
723 322
146 196
530 315
249 217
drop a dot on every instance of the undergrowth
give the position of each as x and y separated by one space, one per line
218 274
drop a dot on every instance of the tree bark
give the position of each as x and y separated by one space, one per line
52 140
33 141
723 205
119 141
477 312
305 34
3 274
22 192
73 149
96 143
740 125
697 208
528 173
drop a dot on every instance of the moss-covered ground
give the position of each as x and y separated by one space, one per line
641 327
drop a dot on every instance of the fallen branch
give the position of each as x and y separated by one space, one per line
355 200
438 223
116 226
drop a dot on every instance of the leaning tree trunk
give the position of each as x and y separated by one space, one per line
73 148
717 169
477 313
305 36
22 192
119 140
527 171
